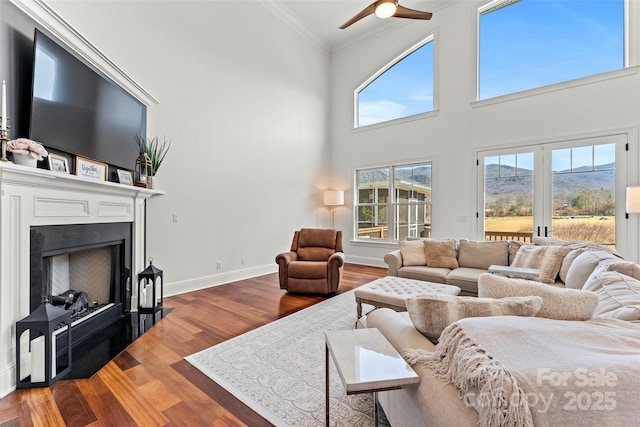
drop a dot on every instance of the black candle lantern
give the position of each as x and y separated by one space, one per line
41 325
150 284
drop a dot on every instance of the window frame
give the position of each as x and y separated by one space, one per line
391 205
631 58
431 38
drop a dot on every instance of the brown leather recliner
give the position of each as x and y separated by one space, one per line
314 264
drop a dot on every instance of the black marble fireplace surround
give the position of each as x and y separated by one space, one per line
100 337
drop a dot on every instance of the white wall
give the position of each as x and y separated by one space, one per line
257 113
245 100
461 126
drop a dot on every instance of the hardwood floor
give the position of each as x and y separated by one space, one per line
150 384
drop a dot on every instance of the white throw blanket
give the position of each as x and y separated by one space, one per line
524 371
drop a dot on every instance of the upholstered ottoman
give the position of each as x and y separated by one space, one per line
392 291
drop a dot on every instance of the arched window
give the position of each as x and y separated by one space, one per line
403 88
525 44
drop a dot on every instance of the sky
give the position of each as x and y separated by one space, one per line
528 44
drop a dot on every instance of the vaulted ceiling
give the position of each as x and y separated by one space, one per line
320 19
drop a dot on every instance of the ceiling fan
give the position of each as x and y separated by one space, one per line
387 9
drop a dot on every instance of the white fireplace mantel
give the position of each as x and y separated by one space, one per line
33 197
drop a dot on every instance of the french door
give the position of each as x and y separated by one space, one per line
569 190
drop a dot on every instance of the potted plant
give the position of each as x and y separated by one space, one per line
155 150
26 152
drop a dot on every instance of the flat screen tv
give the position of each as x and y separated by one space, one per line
79 111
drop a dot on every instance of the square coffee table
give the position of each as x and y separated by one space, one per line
367 363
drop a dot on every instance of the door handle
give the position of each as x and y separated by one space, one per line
546 232
538 231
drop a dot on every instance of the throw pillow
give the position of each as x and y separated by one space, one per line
619 297
431 314
627 268
546 259
548 241
413 252
483 254
567 261
514 246
582 267
441 253
557 303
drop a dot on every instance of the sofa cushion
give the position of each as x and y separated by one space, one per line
557 303
432 314
441 253
483 254
619 296
582 267
546 259
465 278
413 252
428 274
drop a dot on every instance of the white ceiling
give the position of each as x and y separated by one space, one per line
320 19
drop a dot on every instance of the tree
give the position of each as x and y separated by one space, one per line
583 201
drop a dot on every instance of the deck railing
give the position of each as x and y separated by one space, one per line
508 235
373 233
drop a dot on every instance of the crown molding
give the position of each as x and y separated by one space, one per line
51 21
285 15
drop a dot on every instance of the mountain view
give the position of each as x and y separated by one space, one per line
583 192
583 202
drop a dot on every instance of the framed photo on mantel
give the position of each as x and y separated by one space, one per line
90 169
58 163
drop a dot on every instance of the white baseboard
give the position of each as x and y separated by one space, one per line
204 282
7 380
373 262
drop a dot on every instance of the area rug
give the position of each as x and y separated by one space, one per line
278 370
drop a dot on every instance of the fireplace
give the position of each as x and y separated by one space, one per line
93 261
48 220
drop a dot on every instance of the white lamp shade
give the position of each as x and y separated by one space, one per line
333 198
633 199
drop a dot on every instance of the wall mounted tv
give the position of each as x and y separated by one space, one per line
79 111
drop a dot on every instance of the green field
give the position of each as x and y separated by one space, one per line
598 229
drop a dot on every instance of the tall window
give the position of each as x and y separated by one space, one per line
525 44
402 88
563 189
393 202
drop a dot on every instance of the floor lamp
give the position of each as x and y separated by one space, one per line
333 198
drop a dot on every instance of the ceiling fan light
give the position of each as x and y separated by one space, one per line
386 9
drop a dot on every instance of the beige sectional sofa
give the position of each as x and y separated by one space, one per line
465 260
608 336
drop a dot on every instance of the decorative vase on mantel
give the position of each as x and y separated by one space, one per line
26 152
25 159
152 182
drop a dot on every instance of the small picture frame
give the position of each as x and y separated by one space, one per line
125 177
90 169
58 163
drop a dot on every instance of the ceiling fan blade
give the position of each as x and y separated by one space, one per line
405 12
366 12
